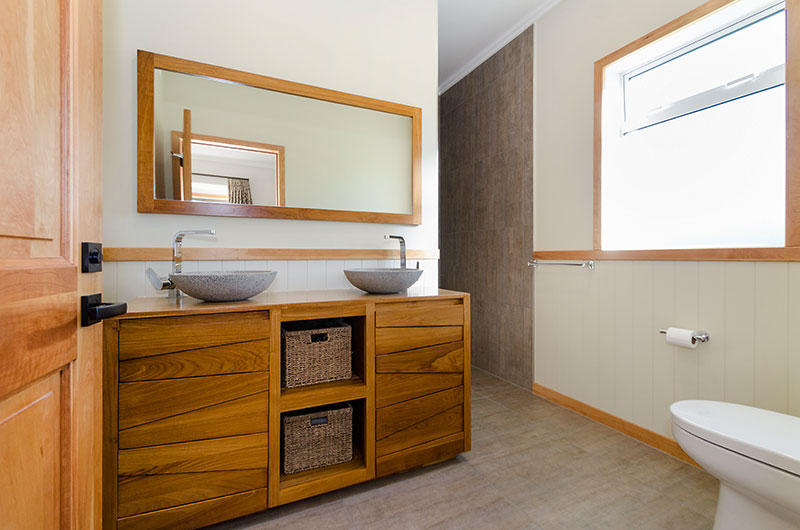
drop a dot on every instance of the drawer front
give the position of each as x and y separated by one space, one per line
220 454
389 340
146 493
442 358
198 514
436 313
156 336
149 401
420 455
242 357
395 420
451 421
394 388
246 415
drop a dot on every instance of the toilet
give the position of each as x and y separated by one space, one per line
754 453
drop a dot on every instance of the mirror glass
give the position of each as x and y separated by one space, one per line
253 146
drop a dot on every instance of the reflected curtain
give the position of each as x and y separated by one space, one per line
239 191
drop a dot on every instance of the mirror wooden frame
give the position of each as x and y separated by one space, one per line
146 201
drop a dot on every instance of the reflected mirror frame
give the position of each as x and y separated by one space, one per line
148 62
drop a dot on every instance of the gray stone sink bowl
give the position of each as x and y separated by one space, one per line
223 286
383 281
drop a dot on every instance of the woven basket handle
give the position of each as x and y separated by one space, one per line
319 421
319 337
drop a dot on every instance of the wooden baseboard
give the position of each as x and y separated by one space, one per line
214 254
653 439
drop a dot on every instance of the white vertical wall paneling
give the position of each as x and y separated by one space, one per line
316 276
711 298
740 332
624 344
686 310
603 280
297 275
793 325
663 353
771 336
643 329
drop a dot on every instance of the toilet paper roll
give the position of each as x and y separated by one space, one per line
681 337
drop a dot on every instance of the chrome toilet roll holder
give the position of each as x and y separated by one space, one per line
700 336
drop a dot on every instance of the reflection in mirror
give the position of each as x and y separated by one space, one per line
252 146
226 170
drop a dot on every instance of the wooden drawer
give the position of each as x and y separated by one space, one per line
150 401
419 420
442 358
219 454
146 493
242 357
394 388
156 336
421 455
434 313
389 340
198 514
244 415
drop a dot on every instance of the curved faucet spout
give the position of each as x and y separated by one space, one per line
177 252
402 248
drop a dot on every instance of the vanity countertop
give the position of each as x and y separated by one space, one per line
163 306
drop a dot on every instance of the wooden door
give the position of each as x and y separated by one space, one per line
50 201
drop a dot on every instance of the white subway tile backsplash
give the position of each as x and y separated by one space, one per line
124 281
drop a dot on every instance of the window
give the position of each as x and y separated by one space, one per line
693 135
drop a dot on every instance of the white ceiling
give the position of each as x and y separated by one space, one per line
471 31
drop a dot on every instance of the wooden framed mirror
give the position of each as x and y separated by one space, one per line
222 142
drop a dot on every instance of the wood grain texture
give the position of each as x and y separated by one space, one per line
149 61
389 340
369 403
228 359
700 254
186 166
442 358
425 314
147 493
30 456
110 422
451 421
274 412
246 415
142 338
395 418
198 514
283 254
467 303
660 442
323 481
322 394
219 454
148 401
394 388
422 455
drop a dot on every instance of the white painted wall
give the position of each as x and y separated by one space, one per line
596 332
382 49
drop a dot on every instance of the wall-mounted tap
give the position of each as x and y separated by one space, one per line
165 284
402 248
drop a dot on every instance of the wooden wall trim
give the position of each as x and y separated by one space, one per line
700 254
288 254
792 124
653 439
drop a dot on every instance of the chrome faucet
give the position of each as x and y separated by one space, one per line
165 284
177 247
402 248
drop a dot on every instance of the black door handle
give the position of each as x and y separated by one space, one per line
93 309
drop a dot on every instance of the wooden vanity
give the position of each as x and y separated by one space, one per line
193 400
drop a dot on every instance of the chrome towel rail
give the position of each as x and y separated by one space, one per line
587 264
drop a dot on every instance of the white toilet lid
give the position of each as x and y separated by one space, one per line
763 435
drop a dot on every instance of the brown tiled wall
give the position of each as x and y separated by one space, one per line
486 206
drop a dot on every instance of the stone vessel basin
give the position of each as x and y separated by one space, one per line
383 281
223 286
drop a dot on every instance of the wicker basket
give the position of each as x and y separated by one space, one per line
317 439
315 352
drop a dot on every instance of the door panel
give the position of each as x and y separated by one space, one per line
50 114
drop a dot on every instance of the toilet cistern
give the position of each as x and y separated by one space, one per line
402 248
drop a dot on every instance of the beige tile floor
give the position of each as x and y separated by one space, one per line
533 465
